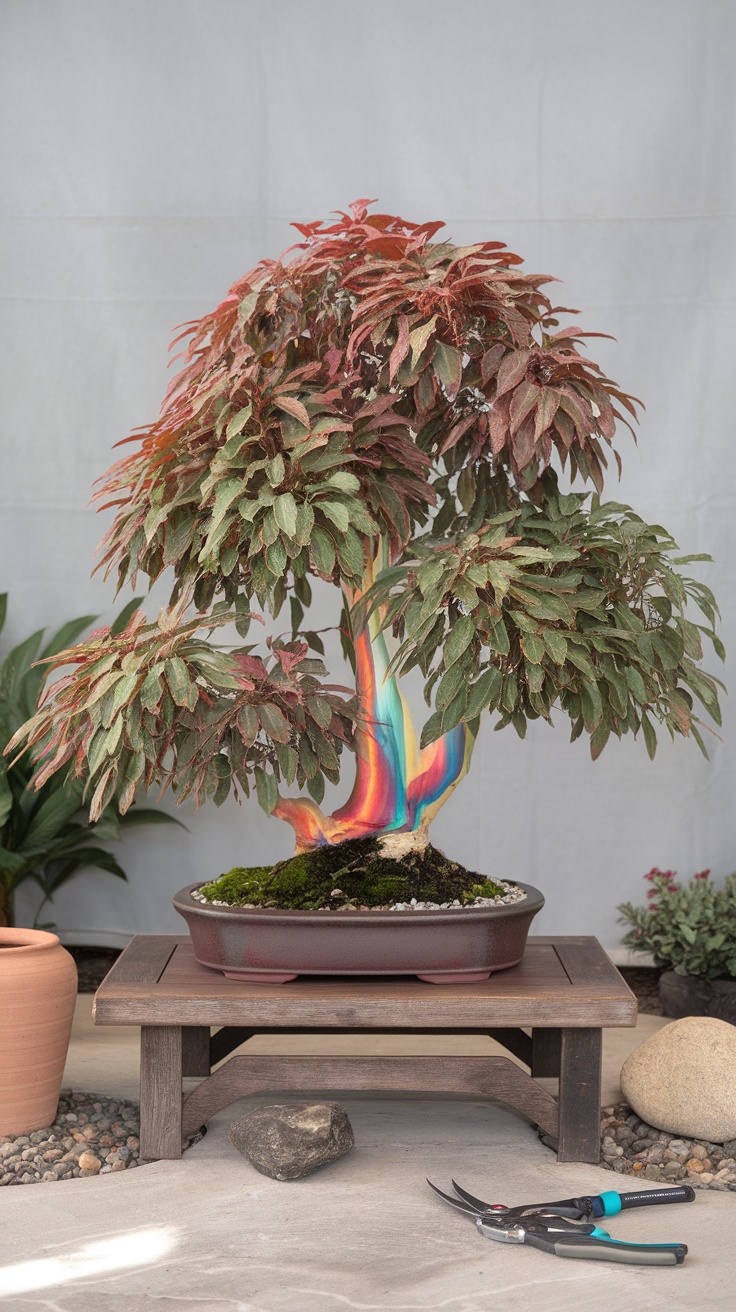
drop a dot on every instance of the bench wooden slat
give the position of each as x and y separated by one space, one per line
557 984
484 1076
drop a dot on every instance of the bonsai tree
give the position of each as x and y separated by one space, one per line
393 414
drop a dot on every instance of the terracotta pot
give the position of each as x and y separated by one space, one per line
691 995
441 947
38 989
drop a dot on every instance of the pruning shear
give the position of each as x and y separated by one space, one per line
567 1228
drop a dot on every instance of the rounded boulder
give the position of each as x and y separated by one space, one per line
683 1079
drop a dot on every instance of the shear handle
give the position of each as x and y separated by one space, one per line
612 1250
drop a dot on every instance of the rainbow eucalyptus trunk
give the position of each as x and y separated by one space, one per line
398 789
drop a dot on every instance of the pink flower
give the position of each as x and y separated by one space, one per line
702 874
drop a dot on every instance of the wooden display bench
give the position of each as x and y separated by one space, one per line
565 991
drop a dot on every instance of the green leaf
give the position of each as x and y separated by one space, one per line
275 470
320 710
448 366
533 648
556 645
322 550
592 706
49 819
336 512
316 787
432 730
6 794
274 722
419 337
304 524
344 481
266 789
177 677
636 683
598 740
152 690
225 493
459 639
285 510
17 663
276 558
650 737
448 686
429 574
141 815
238 422
484 692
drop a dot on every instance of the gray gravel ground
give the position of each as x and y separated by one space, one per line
631 1147
92 1135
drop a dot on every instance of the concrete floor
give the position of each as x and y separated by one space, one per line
364 1234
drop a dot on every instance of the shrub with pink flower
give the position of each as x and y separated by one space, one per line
689 928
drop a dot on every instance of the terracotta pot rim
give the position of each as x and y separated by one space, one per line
20 939
533 902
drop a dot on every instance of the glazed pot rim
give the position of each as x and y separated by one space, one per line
532 903
19 939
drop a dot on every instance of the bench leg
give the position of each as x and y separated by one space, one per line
580 1096
161 1099
545 1055
195 1050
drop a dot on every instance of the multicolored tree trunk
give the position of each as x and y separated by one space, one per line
398 788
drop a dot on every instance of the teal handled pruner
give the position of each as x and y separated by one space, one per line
567 1228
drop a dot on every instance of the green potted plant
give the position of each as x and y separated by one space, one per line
379 409
46 834
690 930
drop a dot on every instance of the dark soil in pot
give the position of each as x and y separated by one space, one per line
356 874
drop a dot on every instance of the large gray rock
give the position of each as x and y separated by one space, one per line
683 1079
290 1140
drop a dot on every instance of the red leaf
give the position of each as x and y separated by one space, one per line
523 401
565 428
498 426
522 443
293 407
491 360
546 411
401 349
512 370
456 432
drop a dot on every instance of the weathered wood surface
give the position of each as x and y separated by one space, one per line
196 1050
516 1041
161 1100
497 1077
226 1040
579 1137
561 983
545 1054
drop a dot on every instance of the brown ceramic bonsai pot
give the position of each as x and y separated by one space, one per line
454 946
38 989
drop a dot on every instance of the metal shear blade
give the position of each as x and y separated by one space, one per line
493 1227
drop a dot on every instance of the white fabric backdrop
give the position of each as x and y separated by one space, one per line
153 150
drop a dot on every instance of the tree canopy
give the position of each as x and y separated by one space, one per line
392 413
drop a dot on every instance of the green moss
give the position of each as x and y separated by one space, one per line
363 876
